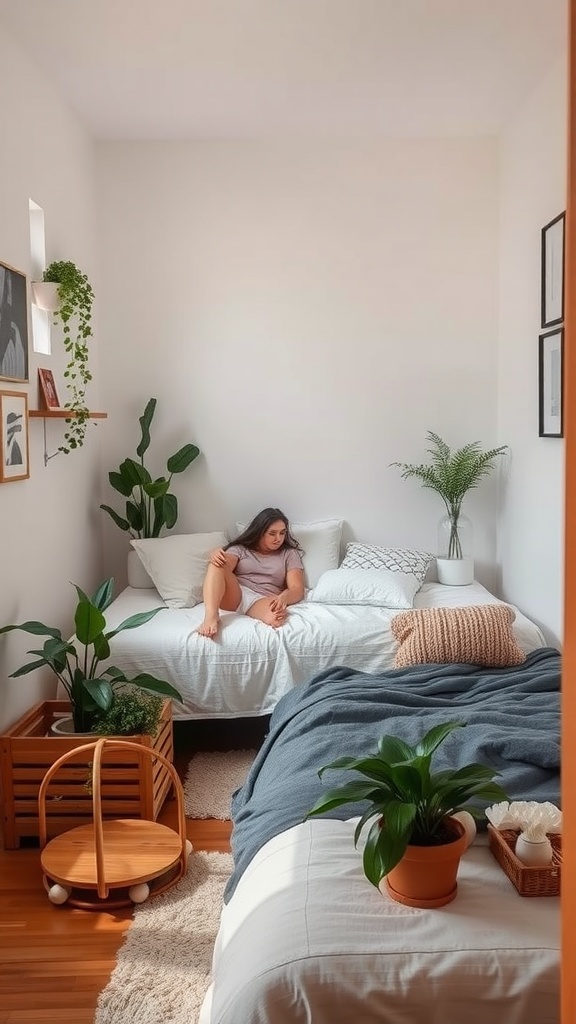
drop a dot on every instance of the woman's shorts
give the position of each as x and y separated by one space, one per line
249 597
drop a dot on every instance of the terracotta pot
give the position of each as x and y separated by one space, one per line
426 875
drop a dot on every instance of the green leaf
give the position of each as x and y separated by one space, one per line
123 524
120 483
351 792
153 685
104 595
181 460
135 516
25 669
37 628
393 749
169 507
145 420
134 473
435 736
134 620
100 691
89 622
156 488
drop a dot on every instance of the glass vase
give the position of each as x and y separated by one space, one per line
454 562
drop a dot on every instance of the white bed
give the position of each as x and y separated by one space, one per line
306 938
246 670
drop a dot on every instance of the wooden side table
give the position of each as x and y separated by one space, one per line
111 863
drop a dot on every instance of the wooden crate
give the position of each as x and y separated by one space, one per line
132 786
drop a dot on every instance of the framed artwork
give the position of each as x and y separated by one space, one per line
550 383
13 324
552 271
48 389
14 464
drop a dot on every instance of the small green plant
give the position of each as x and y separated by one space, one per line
452 474
74 313
149 506
408 800
76 662
129 714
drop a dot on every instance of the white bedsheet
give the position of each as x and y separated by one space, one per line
306 938
249 666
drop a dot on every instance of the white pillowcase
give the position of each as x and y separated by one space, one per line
320 542
380 587
177 564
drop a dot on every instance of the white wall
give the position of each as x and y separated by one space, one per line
304 313
48 524
532 192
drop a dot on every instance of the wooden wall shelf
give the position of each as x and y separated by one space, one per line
62 414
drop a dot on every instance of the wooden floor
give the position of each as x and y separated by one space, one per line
54 961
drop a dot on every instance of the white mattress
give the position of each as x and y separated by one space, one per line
305 938
249 666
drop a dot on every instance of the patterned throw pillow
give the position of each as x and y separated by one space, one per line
474 635
372 556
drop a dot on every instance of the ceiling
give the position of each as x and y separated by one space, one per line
182 69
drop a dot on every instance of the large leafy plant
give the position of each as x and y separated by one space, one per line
74 313
409 802
76 662
452 474
149 506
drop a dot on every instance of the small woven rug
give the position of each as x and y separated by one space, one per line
163 968
211 778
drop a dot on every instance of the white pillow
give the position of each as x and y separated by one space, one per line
177 564
320 543
380 587
374 556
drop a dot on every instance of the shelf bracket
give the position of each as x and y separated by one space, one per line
46 456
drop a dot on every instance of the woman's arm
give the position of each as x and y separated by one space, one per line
292 593
221 558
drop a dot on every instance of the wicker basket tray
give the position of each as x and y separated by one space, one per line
529 881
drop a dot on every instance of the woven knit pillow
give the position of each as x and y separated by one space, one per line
374 556
477 634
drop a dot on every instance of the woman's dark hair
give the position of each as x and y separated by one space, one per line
255 530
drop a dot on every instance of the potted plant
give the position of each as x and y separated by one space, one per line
452 474
414 829
73 310
91 690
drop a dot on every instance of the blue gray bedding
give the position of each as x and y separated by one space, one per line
512 718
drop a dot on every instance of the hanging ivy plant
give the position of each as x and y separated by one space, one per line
75 316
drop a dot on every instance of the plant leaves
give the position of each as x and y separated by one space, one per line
134 620
153 685
89 622
123 524
37 628
145 420
104 595
120 483
349 793
181 460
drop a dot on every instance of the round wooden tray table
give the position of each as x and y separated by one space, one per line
114 862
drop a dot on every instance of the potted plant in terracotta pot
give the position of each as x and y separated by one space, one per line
414 845
76 662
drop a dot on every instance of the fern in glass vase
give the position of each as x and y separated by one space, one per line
452 474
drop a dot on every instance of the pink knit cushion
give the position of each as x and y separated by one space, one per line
477 634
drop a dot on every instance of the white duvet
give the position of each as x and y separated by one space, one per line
249 666
305 938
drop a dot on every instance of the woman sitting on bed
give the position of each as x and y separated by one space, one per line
258 574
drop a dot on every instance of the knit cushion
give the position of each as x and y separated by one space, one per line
476 634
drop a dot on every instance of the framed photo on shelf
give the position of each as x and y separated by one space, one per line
13 324
552 272
550 383
14 463
48 392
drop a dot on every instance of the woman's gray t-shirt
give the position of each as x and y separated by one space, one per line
265 574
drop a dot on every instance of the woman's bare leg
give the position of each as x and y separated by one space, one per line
261 610
221 590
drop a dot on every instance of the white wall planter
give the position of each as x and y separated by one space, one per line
45 295
455 572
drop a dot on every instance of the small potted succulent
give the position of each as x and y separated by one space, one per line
92 690
415 841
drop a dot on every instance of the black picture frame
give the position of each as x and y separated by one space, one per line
551 383
13 324
553 246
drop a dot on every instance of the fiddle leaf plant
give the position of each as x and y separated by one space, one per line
150 506
76 662
74 314
409 802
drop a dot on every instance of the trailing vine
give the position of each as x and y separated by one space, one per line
75 315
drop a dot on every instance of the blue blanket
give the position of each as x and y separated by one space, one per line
512 721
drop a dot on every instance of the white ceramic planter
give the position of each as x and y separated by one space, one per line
45 295
455 572
137 575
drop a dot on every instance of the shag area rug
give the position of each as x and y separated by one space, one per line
163 968
211 779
